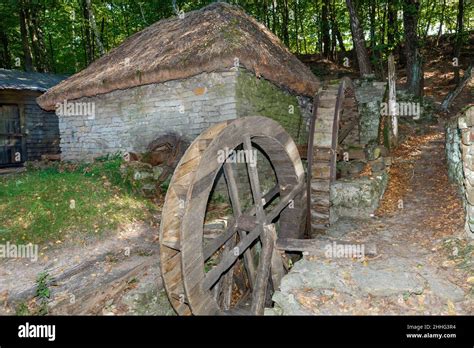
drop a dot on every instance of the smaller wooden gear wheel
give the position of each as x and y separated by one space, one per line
232 270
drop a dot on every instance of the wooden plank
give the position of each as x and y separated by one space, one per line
318 246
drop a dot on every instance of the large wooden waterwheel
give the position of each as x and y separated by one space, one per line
334 117
235 269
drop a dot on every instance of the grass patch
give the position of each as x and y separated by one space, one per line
68 200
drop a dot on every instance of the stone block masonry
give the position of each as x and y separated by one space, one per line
466 126
127 120
369 95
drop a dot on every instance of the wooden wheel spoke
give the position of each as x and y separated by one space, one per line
228 259
284 202
233 189
264 266
254 182
242 223
237 209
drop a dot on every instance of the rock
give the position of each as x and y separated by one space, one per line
444 288
357 197
356 167
373 151
387 282
377 165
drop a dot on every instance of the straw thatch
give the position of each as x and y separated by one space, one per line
203 41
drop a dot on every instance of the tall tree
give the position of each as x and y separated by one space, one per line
459 37
392 25
27 57
335 28
441 21
414 68
93 25
325 29
363 60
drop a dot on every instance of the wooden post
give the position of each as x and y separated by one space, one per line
392 100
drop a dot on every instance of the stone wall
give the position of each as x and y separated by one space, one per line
357 197
466 126
263 98
369 95
453 154
127 120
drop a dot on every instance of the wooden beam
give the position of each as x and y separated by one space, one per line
318 246
264 265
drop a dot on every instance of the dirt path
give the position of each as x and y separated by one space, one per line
118 274
421 266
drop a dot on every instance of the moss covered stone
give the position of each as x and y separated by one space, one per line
260 97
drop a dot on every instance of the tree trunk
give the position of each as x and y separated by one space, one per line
372 25
87 34
336 30
286 16
37 40
365 67
295 11
392 30
325 30
440 30
5 61
93 25
304 37
414 67
459 38
27 58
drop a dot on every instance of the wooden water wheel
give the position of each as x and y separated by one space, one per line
245 266
334 117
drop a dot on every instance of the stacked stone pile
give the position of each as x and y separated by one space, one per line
466 125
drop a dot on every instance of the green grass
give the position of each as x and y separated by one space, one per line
35 206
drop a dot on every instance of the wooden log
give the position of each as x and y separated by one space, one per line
392 100
458 89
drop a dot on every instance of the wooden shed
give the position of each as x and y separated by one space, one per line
26 131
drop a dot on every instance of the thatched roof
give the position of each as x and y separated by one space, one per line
32 81
203 41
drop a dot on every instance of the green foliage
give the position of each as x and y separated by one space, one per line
66 34
43 293
70 200
22 309
42 286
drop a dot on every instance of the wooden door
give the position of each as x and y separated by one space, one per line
12 151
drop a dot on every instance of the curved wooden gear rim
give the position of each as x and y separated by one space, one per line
328 106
